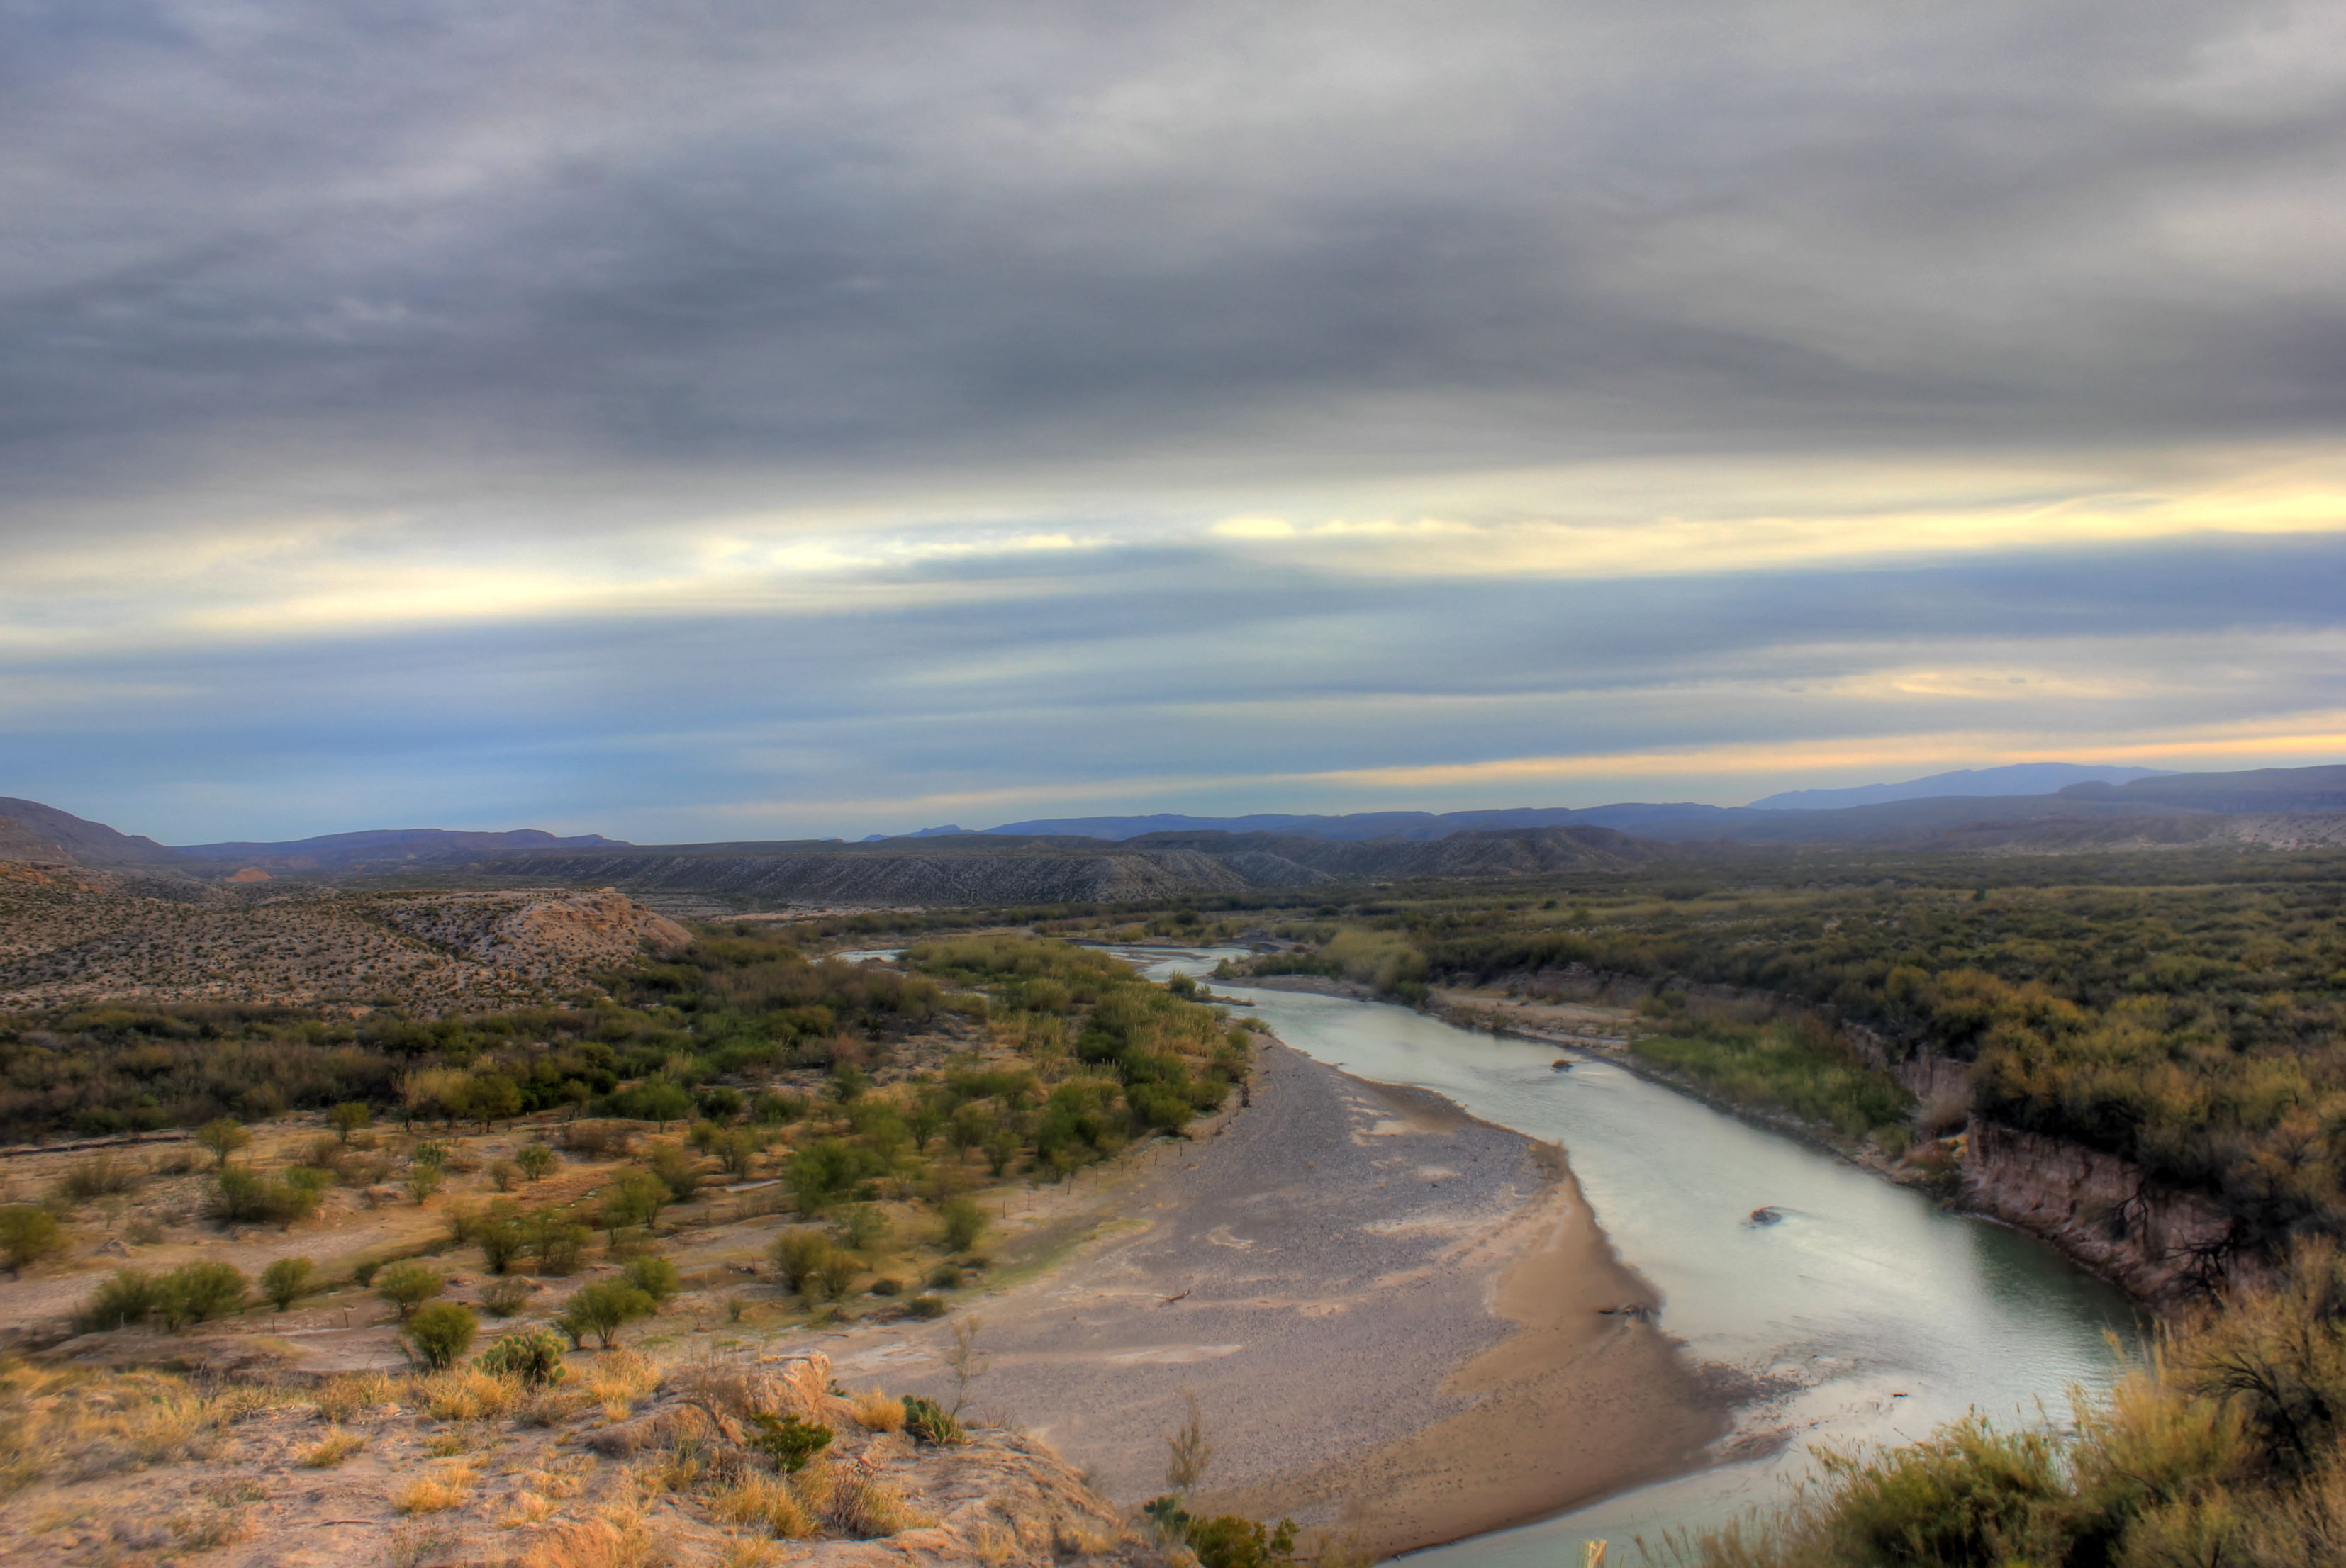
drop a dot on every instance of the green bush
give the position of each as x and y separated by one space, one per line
535 1160
929 1421
533 1359
964 1222
602 1310
676 1171
130 1297
287 1280
797 1254
862 1226
28 1235
655 1277
788 1440
440 1333
927 1307
406 1285
1231 1541
945 1277
555 1240
198 1292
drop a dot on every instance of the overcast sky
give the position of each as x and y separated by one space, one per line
735 419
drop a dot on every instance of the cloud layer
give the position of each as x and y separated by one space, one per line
752 419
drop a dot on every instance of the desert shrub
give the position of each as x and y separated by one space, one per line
634 1199
28 1235
602 1310
440 1333
347 1394
860 1225
797 1254
533 1359
1231 1541
927 1307
534 1161
555 1240
597 1140
945 1277
833 1278
885 1287
788 1440
197 1293
676 1171
505 1297
449 1487
287 1280
130 1297
504 1174
100 1174
348 1117
655 1277
962 1222
869 1508
407 1285
929 1420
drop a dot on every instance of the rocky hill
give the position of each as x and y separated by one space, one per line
74 934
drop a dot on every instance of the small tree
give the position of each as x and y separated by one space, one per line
504 1174
555 1240
601 1309
28 1235
222 1138
676 1171
535 1160
632 1200
423 1180
966 1361
407 1285
492 1097
862 1226
441 1333
347 1118
286 1281
1188 1451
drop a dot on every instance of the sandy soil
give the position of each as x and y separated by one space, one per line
1403 1326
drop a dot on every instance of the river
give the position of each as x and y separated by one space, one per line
1895 1314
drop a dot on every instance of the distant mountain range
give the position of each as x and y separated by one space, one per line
1106 858
2018 779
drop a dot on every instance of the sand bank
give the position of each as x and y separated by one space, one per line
1404 1324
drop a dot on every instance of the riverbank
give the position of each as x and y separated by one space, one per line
1402 1323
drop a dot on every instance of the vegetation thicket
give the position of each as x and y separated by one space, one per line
2184 1012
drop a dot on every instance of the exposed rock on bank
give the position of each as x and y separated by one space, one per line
2103 1211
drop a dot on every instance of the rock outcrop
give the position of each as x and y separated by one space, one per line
2159 1242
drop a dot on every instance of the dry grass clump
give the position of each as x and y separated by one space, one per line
448 1487
617 1539
333 1449
340 1397
210 1531
468 1394
550 1407
616 1379
418 1542
867 1507
879 1411
767 1502
76 1425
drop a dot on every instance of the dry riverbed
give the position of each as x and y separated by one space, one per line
1403 1326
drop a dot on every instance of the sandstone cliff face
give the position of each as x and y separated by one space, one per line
2159 1243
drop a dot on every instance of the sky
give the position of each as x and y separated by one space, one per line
728 421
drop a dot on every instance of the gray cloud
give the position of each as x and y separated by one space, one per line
424 242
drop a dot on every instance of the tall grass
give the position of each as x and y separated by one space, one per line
1779 1065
